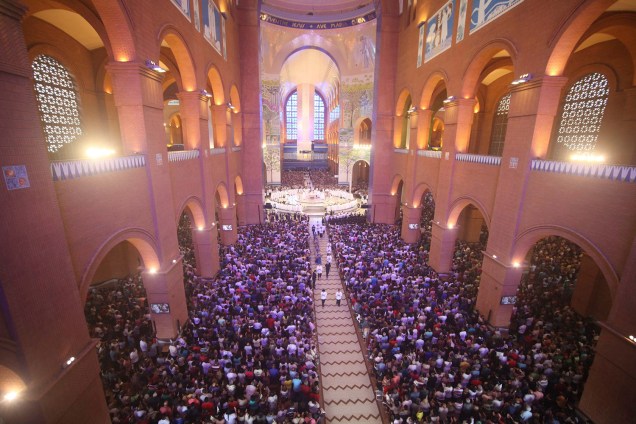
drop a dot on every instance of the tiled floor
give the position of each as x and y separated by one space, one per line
346 388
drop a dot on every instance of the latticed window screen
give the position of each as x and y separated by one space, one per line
499 125
582 114
57 100
291 116
319 117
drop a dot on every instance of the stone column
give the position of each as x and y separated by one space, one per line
533 106
498 279
442 247
459 116
194 115
411 216
206 251
165 286
227 222
380 176
43 321
252 154
609 395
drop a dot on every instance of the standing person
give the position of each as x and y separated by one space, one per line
323 297
338 297
313 280
319 271
327 268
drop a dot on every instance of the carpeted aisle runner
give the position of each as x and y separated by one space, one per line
347 393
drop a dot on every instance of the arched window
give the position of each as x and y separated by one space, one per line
582 115
334 115
319 117
364 132
57 99
499 125
405 136
291 116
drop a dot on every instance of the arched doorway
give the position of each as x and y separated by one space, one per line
360 176
426 221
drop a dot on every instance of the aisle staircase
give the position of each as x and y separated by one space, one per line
347 393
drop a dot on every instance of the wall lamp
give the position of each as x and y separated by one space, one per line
68 362
154 66
523 78
448 99
206 93
231 106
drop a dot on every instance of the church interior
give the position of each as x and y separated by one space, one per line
179 174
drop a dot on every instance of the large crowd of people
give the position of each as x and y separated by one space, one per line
436 359
248 354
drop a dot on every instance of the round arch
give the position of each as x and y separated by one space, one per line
216 83
479 62
194 208
88 15
356 129
116 19
139 238
419 192
312 44
426 98
397 179
569 34
458 205
529 237
221 191
235 99
400 104
623 27
182 55
238 184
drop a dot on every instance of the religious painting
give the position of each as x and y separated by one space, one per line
486 11
183 6
16 177
213 29
439 31
461 25
224 38
420 46
196 15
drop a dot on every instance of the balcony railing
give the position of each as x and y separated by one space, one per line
71 169
608 172
402 151
435 154
217 151
236 148
183 155
483 159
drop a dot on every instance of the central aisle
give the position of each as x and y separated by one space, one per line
346 387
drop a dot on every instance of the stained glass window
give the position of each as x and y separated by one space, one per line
319 117
57 99
291 114
582 114
499 125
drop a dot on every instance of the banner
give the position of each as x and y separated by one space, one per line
439 31
486 11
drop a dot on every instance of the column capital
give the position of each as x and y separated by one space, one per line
542 81
192 95
134 67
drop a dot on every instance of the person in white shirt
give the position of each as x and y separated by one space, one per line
338 297
323 297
